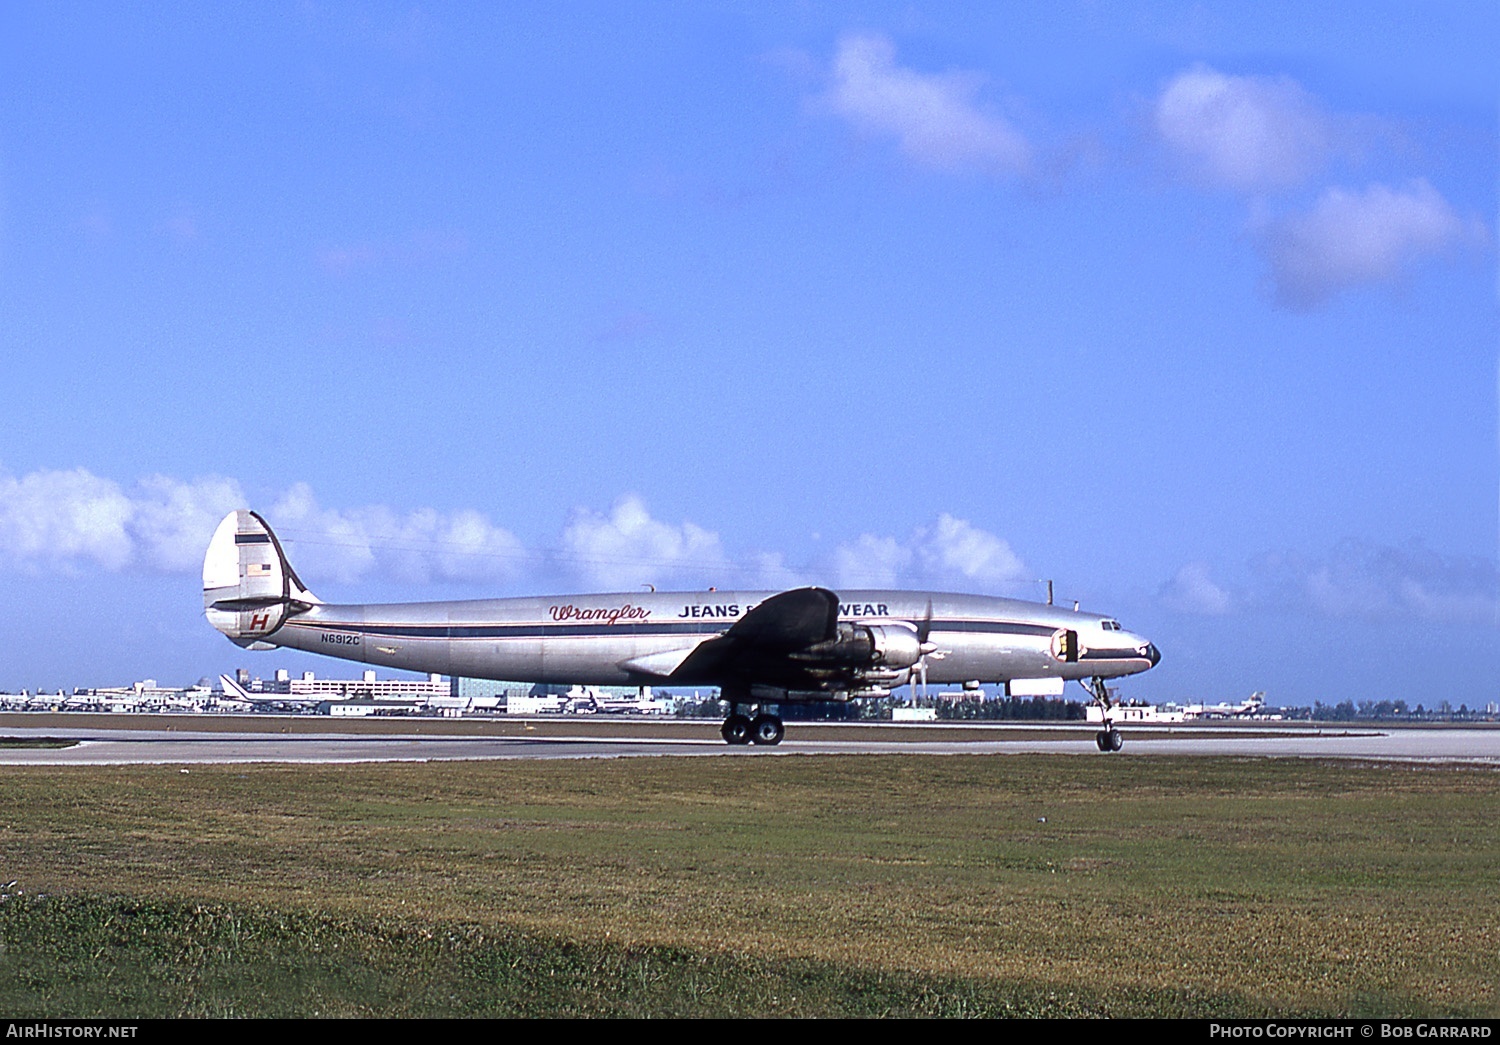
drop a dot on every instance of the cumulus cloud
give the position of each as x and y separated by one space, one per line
933 117
60 518
72 521
1263 135
949 552
1193 591
173 520
1351 237
417 546
65 520
1380 582
870 561
628 548
1246 132
954 549
1355 579
69 521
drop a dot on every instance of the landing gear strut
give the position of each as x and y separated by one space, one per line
740 728
1108 738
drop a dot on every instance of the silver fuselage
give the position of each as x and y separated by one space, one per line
593 639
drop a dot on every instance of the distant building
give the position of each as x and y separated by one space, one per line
483 689
368 686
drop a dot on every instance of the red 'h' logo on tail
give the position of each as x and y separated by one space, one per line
260 621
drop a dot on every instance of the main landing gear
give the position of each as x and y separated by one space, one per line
1108 738
740 728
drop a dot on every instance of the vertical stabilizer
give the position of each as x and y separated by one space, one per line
249 589
233 690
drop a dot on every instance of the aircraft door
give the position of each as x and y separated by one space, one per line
1065 646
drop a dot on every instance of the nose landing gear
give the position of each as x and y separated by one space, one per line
1107 739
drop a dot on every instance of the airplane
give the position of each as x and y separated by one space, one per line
237 693
761 649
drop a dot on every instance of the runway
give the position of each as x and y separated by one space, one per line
94 743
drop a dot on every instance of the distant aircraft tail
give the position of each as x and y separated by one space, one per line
249 589
233 690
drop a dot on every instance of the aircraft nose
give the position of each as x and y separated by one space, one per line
1153 654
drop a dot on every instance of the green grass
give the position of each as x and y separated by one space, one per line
106 956
715 886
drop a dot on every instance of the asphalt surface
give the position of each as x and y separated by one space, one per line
92 744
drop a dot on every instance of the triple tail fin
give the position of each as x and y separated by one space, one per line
249 588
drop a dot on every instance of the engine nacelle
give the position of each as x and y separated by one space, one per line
879 681
893 645
868 650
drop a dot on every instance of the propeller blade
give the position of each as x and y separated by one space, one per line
924 630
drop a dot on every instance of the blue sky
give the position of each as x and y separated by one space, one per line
1190 308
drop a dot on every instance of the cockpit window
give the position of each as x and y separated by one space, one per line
1110 625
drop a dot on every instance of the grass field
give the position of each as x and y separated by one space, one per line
798 885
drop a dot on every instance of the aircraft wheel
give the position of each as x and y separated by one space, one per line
735 730
1101 740
767 729
1116 742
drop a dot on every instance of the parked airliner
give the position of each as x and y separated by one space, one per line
761 648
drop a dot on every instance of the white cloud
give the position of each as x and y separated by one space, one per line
628 548
57 519
1350 238
1380 582
933 117
1247 132
63 520
871 562
174 520
953 549
769 570
950 552
71 520
419 546
1193 591
74 520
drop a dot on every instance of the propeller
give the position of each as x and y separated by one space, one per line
924 630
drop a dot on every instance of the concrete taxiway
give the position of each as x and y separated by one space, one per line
189 740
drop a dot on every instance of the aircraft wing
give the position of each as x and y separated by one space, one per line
792 620
662 665
760 644
781 625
